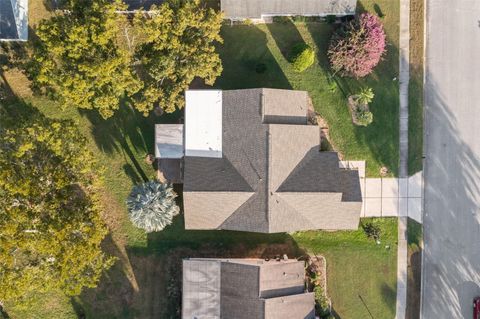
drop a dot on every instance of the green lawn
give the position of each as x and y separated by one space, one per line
361 274
246 46
414 272
415 92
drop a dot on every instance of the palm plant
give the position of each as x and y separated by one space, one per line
152 206
365 96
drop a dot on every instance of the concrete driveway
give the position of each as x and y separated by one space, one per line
451 276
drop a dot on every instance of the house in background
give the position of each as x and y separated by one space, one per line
245 289
264 10
13 20
253 163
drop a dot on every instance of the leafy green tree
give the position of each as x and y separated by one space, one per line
50 218
178 45
77 58
152 206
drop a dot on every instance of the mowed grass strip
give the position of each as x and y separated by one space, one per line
415 89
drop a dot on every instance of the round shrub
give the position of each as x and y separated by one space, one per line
152 206
302 56
261 68
357 47
364 118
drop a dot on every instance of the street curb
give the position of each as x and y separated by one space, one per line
422 271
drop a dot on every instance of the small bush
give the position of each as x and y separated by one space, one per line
302 57
332 87
330 19
365 96
364 118
372 230
300 18
322 307
281 19
260 68
247 22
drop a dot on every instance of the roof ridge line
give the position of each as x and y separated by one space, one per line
286 202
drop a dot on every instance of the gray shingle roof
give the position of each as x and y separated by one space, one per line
268 171
245 289
254 9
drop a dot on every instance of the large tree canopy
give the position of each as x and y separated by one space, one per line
50 223
179 45
78 58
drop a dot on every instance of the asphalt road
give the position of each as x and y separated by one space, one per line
451 277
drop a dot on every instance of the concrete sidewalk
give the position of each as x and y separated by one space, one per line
389 197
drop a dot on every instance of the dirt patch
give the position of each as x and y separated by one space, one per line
18 82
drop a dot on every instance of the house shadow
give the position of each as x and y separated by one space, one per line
247 60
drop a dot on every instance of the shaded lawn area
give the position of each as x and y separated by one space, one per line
414 272
245 47
361 275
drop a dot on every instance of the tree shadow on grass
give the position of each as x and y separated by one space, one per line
243 51
286 36
127 132
114 296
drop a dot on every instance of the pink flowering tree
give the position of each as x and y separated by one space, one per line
357 47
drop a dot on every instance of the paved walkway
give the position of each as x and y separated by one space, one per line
389 197
413 206
404 78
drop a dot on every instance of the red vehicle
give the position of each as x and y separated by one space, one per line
476 308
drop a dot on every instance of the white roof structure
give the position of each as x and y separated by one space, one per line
168 140
203 123
13 20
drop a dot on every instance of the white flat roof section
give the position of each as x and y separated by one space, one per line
168 140
203 123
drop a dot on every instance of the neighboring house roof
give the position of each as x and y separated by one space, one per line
134 5
13 20
245 289
255 9
272 176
